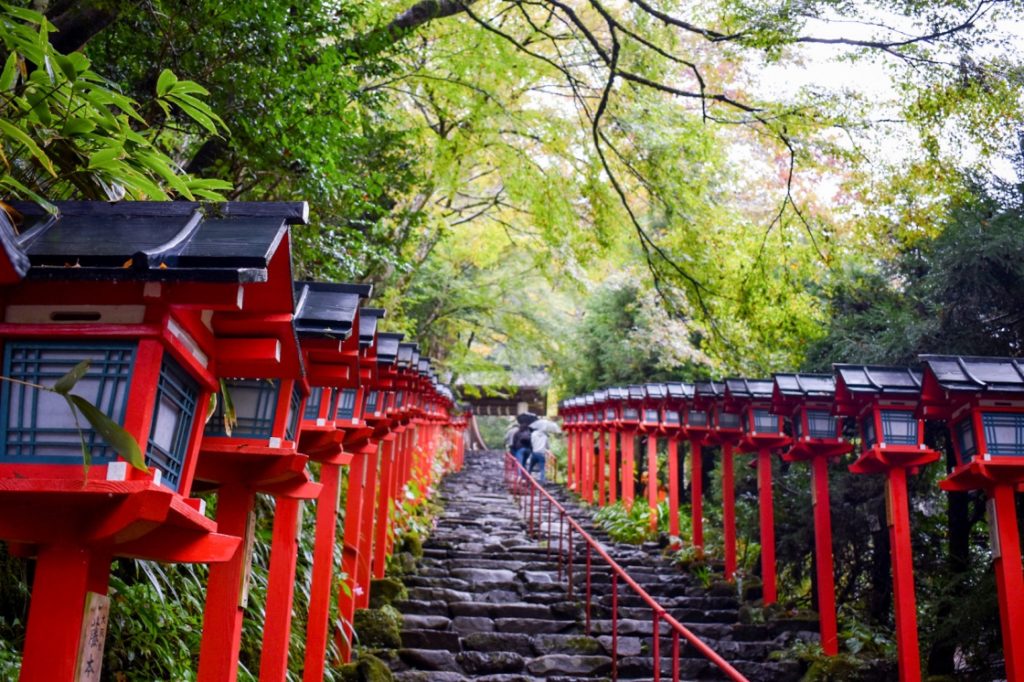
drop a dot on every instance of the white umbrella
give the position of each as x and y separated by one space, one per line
545 425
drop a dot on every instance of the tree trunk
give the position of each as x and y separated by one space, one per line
78 22
880 597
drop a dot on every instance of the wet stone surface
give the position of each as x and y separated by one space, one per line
488 602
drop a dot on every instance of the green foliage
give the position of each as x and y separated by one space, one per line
630 526
65 131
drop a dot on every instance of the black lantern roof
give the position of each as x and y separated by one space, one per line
879 379
368 318
976 374
656 391
588 399
749 389
405 353
159 241
710 390
677 390
635 392
601 395
806 385
617 393
387 347
323 309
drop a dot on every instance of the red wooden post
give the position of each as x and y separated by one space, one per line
652 479
823 556
56 613
696 495
904 598
280 590
766 518
588 464
323 571
358 474
601 464
366 529
628 472
1009 577
613 466
673 486
728 511
384 504
218 656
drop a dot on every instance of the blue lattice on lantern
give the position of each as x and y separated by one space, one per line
1004 433
173 416
371 402
821 424
728 420
899 427
291 430
316 396
255 403
346 404
765 422
966 441
38 426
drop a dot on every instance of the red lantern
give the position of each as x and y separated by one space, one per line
763 431
982 400
806 399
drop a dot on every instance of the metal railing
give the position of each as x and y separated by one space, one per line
534 501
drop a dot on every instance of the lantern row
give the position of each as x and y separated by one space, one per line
802 416
233 379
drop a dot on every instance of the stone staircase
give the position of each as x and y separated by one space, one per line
485 603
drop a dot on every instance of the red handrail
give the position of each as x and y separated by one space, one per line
516 477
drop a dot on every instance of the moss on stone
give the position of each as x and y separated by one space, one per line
379 628
386 591
412 544
583 645
367 668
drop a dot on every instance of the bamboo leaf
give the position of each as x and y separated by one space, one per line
122 441
230 416
68 381
165 82
21 136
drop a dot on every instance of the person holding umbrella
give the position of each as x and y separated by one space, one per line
539 444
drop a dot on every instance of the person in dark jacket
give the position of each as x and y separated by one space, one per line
521 445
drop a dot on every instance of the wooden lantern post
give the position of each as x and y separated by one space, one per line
763 432
630 401
883 400
152 282
609 414
650 424
327 323
258 362
389 377
725 433
697 428
589 464
676 394
364 445
807 399
600 398
982 400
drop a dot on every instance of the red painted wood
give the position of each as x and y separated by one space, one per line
62 577
673 486
766 513
280 590
696 495
350 547
1009 581
367 519
628 472
601 465
384 506
613 467
222 616
823 556
904 600
652 480
728 511
323 570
